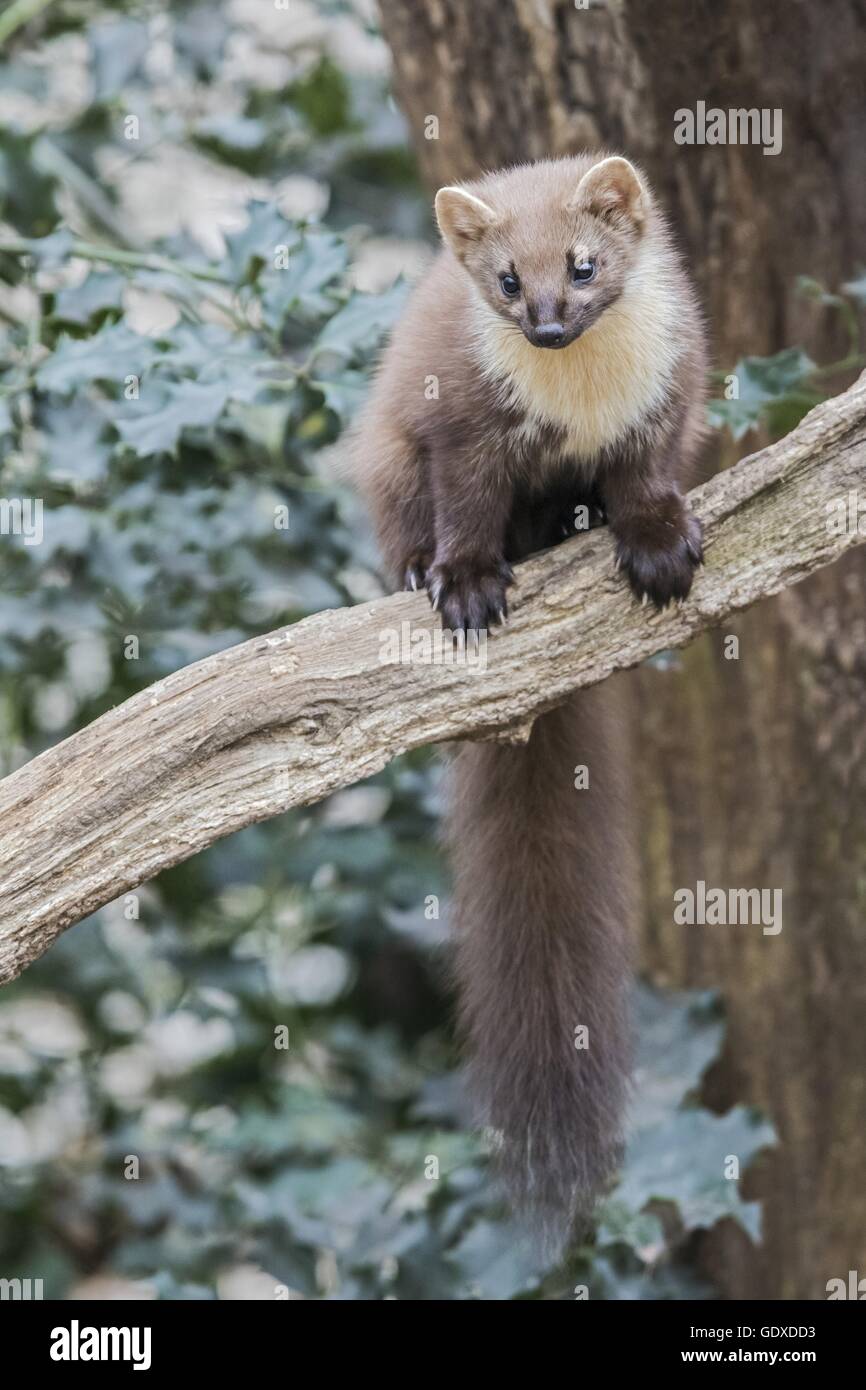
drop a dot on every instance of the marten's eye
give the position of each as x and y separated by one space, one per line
510 284
583 272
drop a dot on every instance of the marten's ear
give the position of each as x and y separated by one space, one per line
463 218
611 189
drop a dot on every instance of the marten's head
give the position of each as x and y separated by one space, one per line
549 246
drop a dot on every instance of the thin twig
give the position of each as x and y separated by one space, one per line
19 14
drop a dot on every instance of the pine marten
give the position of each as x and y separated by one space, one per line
552 358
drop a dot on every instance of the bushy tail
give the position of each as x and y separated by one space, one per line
542 874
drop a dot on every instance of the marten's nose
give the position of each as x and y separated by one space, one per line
548 334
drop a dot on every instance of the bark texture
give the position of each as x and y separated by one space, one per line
284 719
751 772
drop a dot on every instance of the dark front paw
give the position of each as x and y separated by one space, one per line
660 553
470 595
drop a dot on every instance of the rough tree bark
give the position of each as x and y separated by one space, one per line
751 772
284 719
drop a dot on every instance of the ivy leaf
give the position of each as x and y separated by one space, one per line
74 447
641 1231
304 1121
857 288
26 193
170 410
762 383
322 96
357 329
668 1281
495 1261
52 250
770 378
236 138
68 529
684 1161
109 356
344 394
813 289
117 50
200 35
264 424
305 289
211 353
784 415
679 1037
250 250
88 304
678 1152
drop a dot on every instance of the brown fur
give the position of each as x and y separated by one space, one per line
541 875
468 478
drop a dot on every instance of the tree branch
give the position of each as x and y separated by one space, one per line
284 719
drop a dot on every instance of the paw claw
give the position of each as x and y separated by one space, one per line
415 572
660 553
470 596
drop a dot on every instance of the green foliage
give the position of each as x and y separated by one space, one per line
169 460
773 391
776 392
27 193
322 98
151 1125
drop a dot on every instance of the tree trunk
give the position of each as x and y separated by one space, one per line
752 772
